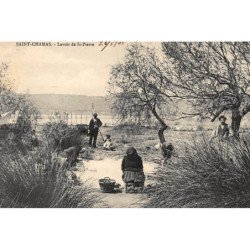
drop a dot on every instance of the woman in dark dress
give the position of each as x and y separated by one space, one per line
132 169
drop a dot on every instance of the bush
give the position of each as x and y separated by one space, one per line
59 135
36 181
21 131
205 175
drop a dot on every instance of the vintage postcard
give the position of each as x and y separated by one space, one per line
124 124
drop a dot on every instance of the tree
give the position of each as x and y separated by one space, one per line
138 88
214 76
12 102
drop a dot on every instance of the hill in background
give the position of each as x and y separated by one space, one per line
48 103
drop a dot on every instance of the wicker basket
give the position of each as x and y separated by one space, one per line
107 185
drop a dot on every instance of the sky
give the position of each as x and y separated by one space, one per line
79 70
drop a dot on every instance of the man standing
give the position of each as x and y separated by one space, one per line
223 130
94 125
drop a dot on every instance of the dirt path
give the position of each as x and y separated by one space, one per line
94 170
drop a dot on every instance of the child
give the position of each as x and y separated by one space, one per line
107 143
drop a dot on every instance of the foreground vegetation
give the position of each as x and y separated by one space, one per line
35 180
205 175
201 174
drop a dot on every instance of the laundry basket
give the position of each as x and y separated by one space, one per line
107 185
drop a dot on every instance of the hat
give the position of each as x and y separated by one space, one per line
131 151
222 116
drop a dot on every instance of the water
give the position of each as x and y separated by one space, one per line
74 119
98 169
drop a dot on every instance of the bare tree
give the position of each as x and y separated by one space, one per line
138 87
214 76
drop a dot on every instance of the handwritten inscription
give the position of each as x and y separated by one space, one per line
104 45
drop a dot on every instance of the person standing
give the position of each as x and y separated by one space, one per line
94 125
223 130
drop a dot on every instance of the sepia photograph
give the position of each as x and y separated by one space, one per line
125 124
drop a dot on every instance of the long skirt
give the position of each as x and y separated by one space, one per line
132 176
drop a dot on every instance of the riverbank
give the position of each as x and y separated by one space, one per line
107 166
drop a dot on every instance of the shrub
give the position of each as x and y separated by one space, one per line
59 135
205 175
35 180
20 105
21 131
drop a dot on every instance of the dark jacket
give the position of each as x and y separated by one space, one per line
94 125
72 155
167 150
132 163
223 131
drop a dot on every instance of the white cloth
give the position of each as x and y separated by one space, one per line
107 144
8 118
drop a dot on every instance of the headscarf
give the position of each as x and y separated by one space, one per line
131 151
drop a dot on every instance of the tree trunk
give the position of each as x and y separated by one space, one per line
236 120
164 126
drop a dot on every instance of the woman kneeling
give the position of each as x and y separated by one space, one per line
132 169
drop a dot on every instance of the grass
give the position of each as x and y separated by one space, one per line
36 181
204 175
144 141
201 175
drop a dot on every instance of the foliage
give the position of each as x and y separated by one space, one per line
59 135
214 76
21 106
35 180
138 89
211 76
205 175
